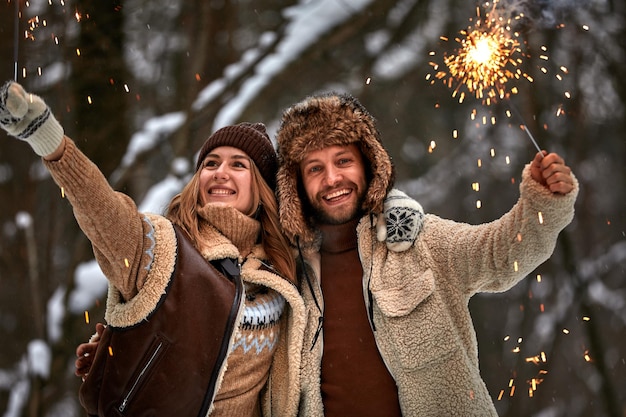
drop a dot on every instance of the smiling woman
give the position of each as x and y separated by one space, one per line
157 271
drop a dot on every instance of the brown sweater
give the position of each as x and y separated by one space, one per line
355 381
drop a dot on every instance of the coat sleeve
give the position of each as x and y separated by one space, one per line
109 219
493 257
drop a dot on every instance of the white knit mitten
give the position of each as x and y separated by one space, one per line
27 117
401 221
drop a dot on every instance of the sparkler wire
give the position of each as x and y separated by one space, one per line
16 35
530 135
488 57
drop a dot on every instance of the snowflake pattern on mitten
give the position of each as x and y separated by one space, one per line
403 221
401 224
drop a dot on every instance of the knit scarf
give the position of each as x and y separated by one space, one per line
243 231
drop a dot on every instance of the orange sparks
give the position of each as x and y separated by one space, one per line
487 58
537 359
86 317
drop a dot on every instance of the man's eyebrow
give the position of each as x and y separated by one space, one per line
309 161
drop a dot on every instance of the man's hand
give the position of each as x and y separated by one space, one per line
86 352
549 170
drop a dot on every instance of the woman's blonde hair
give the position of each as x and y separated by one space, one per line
182 211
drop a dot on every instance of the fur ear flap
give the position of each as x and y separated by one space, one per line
401 221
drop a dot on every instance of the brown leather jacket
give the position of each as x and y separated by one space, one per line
168 364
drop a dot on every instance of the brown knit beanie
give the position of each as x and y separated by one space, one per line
252 138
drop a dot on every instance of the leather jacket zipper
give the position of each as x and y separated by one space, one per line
130 392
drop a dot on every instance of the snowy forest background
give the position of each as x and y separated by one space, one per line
140 84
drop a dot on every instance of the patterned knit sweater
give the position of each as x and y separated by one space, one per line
255 340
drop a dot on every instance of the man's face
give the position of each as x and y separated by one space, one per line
335 183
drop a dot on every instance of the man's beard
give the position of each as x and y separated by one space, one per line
336 216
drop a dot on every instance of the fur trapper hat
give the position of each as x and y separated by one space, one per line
317 122
252 138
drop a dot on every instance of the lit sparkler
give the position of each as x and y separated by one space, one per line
487 59
486 63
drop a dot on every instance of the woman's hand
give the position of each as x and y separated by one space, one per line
28 118
86 352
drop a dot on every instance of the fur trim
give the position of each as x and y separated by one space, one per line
315 123
282 396
125 314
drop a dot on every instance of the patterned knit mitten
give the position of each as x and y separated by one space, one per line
401 221
27 117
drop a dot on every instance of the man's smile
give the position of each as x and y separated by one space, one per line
336 195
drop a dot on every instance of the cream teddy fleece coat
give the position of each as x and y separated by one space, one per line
420 301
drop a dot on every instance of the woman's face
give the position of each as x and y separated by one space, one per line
226 178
